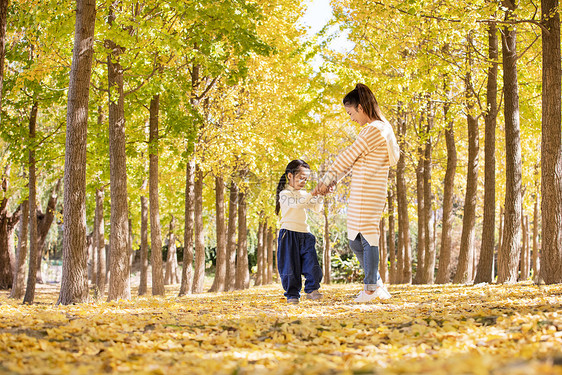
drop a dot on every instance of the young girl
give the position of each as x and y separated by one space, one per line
296 252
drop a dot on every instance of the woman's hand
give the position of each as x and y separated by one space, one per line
322 189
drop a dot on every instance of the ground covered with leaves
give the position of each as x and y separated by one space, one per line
442 329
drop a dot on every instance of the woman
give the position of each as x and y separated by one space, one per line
369 158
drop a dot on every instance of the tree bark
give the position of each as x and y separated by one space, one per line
18 289
260 254
485 270
536 257
326 256
155 229
119 267
143 286
44 222
429 252
242 269
101 281
220 269
171 276
3 22
444 269
33 250
383 263
421 211
466 253
391 232
187 269
7 225
230 281
270 246
508 257
199 272
74 283
404 251
551 146
525 263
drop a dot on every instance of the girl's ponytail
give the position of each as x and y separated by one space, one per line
280 187
293 168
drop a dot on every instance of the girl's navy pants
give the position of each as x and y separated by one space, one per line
296 256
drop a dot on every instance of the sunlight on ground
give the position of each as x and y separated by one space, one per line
440 329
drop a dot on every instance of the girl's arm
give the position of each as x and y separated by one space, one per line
288 200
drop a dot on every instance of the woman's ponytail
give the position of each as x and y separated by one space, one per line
361 94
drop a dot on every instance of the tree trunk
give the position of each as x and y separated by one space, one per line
421 212
199 272
3 22
100 246
143 286
404 271
7 224
391 232
242 269
551 146
260 254
155 229
187 269
525 259
485 271
19 276
383 263
466 253
119 279
536 257
171 276
74 283
326 256
508 257
231 238
33 250
220 269
44 222
429 261
444 269
270 241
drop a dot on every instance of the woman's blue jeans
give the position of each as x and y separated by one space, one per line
368 257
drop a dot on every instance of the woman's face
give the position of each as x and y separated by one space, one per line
357 114
298 180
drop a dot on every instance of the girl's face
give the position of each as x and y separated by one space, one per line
357 115
298 180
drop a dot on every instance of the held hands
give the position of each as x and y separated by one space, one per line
322 189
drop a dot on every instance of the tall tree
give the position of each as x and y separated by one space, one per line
508 256
101 281
230 281
171 275
33 250
242 270
428 271
7 224
466 253
155 229
404 269
551 146
444 268
485 271
18 289
144 246
220 270
74 281
187 267
3 22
